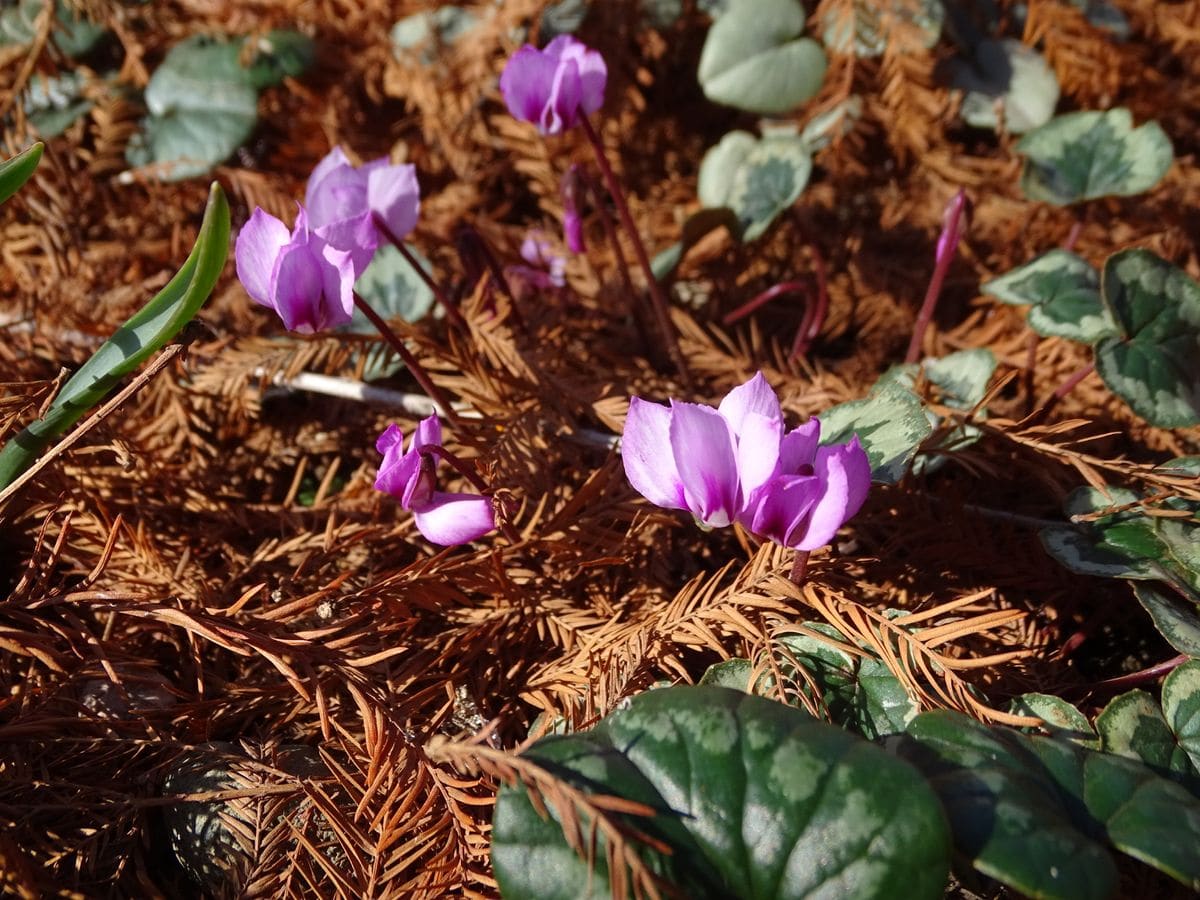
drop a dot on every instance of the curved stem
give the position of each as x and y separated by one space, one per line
1149 674
406 356
658 298
947 244
762 299
451 308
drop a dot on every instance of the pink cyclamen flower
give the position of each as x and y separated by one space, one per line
411 477
345 203
546 268
736 463
553 87
306 280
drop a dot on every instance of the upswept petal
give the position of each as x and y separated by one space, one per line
451 519
705 456
562 106
395 197
258 247
340 195
334 159
758 451
429 432
524 83
593 73
397 473
338 274
297 288
845 474
798 448
392 439
646 454
756 396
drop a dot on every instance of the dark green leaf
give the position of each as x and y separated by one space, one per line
1059 718
1005 81
1176 618
1154 361
772 803
1181 708
1085 155
1132 725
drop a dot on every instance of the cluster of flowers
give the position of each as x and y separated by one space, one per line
307 275
736 463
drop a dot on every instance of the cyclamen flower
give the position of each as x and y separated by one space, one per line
301 276
553 87
546 268
411 477
736 463
344 202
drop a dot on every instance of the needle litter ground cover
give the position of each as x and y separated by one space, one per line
559 449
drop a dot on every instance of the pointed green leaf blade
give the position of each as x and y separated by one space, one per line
891 424
16 171
142 335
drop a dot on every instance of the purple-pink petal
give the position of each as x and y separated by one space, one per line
395 197
705 455
297 288
755 396
845 475
428 433
593 73
334 159
525 83
778 511
259 244
646 454
451 519
758 451
562 105
798 448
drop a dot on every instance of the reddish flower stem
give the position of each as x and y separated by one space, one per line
1133 679
799 567
451 308
610 234
947 244
805 337
658 298
762 299
465 471
418 372
1072 382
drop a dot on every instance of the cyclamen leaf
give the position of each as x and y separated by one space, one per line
891 424
1176 618
707 758
1063 290
1084 155
1062 720
1133 726
1154 361
1006 73
1181 708
756 179
755 58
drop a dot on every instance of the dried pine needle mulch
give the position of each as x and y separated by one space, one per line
210 576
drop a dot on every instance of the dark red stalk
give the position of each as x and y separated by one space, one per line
448 305
947 244
799 567
1133 679
658 298
418 372
806 336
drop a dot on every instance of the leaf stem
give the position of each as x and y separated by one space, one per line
1151 673
658 298
406 356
